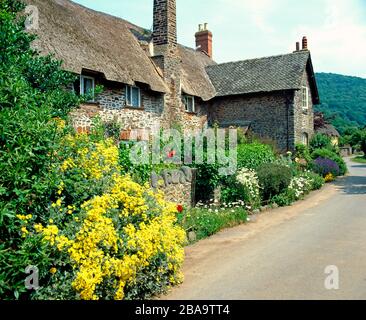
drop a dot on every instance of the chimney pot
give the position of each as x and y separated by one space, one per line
200 28
205 26
297 46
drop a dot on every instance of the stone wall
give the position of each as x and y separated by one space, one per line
177 185
303 119
270 115
110 105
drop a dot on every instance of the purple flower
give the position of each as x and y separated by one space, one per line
324 166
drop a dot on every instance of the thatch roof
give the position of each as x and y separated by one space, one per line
86 39
195 80
328 130
275 73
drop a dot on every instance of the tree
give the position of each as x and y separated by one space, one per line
32 96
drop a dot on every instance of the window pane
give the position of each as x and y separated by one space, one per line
128 95
190 104
135 97
88 86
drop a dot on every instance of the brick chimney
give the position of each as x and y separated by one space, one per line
165 23
204 40
304 43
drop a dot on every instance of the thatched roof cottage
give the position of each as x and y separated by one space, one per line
150 80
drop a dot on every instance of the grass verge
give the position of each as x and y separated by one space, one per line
359 159
204 222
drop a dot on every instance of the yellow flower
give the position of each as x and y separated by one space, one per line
53 270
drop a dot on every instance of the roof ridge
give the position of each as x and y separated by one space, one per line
262 58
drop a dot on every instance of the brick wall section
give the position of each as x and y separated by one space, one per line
303 120
271 115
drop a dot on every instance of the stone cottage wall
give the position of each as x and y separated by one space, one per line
271 115
304 119
110 105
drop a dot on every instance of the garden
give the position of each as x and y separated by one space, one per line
74 207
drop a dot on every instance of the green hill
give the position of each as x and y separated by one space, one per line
343 99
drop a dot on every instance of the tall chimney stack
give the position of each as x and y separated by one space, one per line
165 23
204 39
304 43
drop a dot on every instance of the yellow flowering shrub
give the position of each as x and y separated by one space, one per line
111 237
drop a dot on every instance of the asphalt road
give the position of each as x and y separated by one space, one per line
283 253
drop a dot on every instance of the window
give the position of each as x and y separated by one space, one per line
87 85
133 96
189 103
305 98
305 139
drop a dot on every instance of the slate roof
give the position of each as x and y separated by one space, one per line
276 73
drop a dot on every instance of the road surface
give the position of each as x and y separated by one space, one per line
283 253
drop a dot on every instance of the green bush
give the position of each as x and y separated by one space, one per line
320 141
273 179
317 181
327 154
32 95
303 152
253 155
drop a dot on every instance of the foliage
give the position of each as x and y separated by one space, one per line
328 154
300 185
106 234
206 220
253 155
33 106
324 166
343 100
244 186
273 179
320 141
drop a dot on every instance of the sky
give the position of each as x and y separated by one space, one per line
244 29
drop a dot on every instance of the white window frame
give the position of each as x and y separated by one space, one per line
82 89
185 101
129 88
305 139
305 98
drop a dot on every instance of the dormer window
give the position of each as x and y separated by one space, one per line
189 103
133 96
305 98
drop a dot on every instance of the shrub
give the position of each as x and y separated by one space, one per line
302 152
273 179
317 181
325 153
253 155
107 237
33 106
320 141
324 166
242 187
